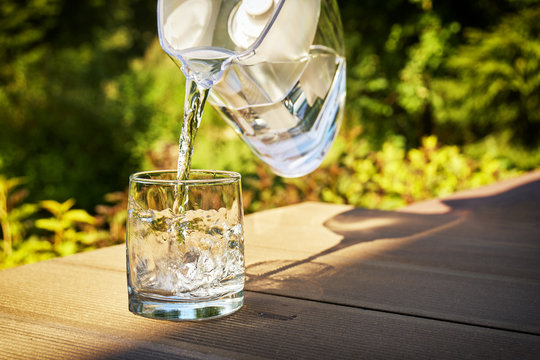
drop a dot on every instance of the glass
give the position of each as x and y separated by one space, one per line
276 70
186 264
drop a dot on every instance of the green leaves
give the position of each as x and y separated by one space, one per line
394 177
495 86
88 96
62 211
386 179
12 215
29 235
64 225
64 218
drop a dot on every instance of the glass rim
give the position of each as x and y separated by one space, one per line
226 177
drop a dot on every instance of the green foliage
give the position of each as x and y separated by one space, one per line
68 231
393 56
13 214
457 70
510 155
31 250
386 179
62 127
441 96
67 133
88 95
23 30
496 86
395 177
63 225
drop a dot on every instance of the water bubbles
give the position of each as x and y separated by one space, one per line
197 253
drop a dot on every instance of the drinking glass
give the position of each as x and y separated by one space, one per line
185 263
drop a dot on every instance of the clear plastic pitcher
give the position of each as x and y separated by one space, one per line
276 70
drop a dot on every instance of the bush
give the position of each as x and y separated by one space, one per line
442 96
31 235
62 128
495 87
386 179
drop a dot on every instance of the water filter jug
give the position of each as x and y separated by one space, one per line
276 70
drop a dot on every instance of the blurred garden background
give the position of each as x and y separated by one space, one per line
441 96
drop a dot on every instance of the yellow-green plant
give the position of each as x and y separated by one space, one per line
392 177
395 176
13 215
67 238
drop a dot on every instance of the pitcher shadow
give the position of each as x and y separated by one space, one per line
374 235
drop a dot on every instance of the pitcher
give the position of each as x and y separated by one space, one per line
276 70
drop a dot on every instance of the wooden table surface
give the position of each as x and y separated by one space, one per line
457 278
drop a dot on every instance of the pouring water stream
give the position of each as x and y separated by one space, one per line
273 69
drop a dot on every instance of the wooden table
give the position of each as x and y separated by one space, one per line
451 279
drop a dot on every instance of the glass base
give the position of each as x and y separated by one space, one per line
185 310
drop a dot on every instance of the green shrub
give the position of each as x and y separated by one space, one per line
67 239
67 231
386 179
442 96
495 87
13 213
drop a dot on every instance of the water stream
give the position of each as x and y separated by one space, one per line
193 109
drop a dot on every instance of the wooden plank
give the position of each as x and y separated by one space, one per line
477 263
56 309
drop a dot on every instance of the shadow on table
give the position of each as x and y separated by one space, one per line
401 240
